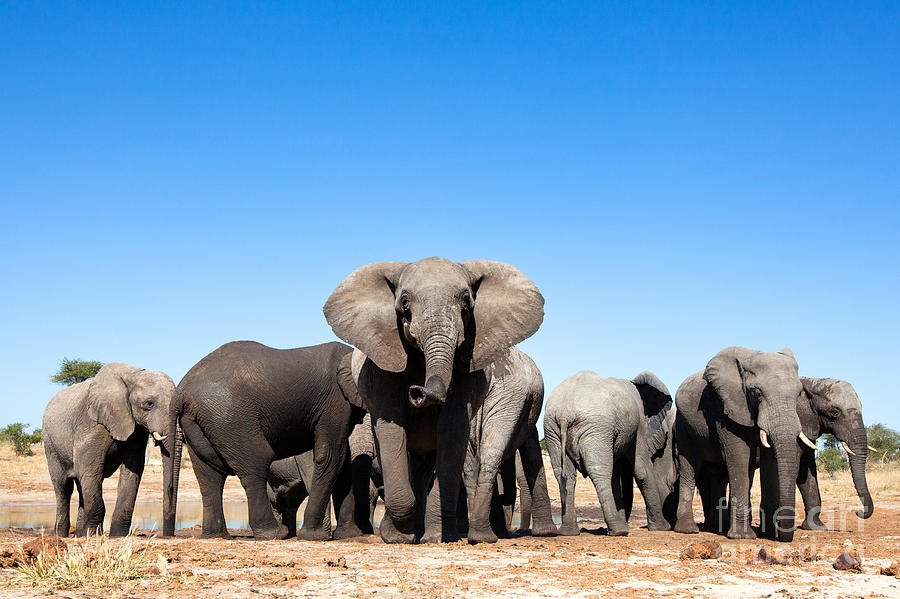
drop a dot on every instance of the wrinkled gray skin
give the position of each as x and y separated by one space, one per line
596 426
503 422
427 331
720 415
287 489
831 406
96 426
664 465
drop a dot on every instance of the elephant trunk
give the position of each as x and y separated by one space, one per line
440 350
858 470
171 472
787 460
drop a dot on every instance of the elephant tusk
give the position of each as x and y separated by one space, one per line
406 333
872 448
847 448
159 437
806 441
764 439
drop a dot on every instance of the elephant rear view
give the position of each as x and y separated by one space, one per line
596 426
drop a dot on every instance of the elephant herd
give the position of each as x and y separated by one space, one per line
435 410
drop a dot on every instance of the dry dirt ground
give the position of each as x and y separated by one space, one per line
590 565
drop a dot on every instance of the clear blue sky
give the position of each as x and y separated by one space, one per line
675 178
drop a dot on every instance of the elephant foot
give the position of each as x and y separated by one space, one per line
734 533
659 526
269 534
314 533
481 535
347 531
390 534
688 527
119 530
544 529
215 534
569 530
816 524
617 531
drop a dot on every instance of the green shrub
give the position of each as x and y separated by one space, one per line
15 435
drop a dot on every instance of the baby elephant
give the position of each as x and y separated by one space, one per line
287 489
94 427
598 427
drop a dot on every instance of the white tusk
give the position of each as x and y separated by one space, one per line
159 437
847 448
806 441
872 448
764 439
409 336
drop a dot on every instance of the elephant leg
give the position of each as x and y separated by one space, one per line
737 462
63 486
714 496
330 458
344 502
598 461
398 524
363 496
626 488
808 483
525 497
440 509
647 486
79 518
566 473
129 480
94 510
535 502
498 515
485 491
768 487
617 483
211 482
687 468
507 494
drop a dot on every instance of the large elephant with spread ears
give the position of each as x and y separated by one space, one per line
742 405
428 330
93 427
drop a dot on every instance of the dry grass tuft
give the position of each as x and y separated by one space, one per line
95 561
12 464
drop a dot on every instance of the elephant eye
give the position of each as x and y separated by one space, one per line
466 302
834 412
149 404
404 302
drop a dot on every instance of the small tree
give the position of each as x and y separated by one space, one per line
830 458
886 442
75 371
21 441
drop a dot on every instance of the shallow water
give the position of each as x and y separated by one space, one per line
147 515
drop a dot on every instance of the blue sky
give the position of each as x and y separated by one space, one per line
676 178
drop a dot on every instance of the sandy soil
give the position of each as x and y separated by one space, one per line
590 565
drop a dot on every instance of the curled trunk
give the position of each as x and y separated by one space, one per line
439 350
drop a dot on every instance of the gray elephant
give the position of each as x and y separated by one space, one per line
426 332
246 405
831 406
287 488
597 426
664 463
96 426
744 399
502 427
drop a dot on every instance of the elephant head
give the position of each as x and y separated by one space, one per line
122 397
657 400
832 406
760 390
448 315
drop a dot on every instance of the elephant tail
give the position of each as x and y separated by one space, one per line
563 426
172 473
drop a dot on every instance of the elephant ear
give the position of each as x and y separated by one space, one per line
361 312
107 400
508 309
656 399
723 373
806 406
347 382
